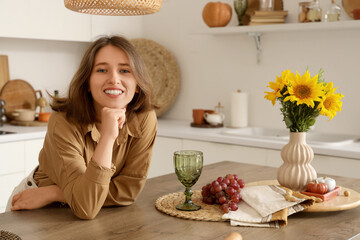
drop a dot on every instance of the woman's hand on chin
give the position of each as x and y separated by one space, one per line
111 120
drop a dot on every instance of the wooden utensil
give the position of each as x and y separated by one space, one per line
18 94
4 70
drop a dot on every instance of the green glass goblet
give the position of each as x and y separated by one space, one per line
188 165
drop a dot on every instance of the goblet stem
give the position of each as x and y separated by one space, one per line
188 193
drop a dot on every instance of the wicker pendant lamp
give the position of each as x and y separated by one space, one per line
114 7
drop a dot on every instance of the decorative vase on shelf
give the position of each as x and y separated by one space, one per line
240 7
296 170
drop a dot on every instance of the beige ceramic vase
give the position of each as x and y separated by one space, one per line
296 170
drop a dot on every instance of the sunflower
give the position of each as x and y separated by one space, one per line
304 89
278 86
330 103
303 99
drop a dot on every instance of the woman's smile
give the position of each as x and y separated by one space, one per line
113 92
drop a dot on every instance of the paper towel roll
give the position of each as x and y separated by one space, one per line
239 109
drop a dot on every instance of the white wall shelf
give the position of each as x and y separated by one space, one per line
342 25
257 31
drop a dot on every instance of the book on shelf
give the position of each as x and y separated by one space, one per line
277 20
270 13
263 23
268 17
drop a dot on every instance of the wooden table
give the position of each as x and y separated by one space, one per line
143 221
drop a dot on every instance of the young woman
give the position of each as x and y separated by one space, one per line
99 141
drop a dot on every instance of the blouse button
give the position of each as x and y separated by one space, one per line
29 183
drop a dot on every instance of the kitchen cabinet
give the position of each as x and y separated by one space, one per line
32 150
12 157
51 20
216 152
162 156
17 160
42 19
7 184
12 169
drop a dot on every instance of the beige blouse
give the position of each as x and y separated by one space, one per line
65 160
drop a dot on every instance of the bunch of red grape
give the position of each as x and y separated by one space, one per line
224 191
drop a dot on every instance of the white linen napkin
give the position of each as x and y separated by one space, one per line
267 206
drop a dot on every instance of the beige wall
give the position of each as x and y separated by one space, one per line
214 66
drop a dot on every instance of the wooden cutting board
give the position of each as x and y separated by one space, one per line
18 94
4 70
338 203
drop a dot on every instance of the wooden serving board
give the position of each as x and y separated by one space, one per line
338 203
4 70
206 125
18 94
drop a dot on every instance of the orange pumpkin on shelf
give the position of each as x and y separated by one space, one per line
217 14
316 187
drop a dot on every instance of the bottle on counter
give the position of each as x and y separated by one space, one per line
219 108
315 12
333 13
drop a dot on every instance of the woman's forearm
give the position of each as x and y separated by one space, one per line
55 194
103 152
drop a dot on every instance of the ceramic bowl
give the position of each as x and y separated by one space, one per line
24 115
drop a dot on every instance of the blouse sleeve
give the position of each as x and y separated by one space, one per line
128 184
85 186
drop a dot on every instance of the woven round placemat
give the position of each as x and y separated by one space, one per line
5 235
163 70
167 203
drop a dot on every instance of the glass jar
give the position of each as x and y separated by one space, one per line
315 12
333 13
304 8
266 5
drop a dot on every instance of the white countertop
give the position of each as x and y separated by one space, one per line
22 133
182 129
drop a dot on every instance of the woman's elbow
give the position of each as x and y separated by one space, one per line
85 214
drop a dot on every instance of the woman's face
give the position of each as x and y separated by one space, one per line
112 82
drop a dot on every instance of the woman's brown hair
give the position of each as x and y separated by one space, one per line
79 105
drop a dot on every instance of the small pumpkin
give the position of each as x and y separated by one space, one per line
217 14
316 187
330 182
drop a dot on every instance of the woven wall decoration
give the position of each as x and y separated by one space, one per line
114 7
163 70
